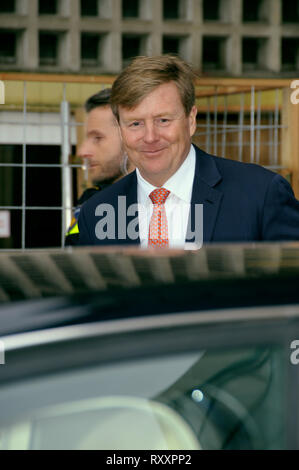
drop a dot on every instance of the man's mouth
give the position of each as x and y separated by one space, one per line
92 165
88 164
152 152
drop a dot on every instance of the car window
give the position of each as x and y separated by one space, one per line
230 398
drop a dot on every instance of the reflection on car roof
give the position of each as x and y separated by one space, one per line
44 273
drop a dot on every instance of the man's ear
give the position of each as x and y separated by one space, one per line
192 120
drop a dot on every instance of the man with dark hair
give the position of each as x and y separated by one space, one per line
154 102
102 151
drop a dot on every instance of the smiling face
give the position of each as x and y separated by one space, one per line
102 146
157 133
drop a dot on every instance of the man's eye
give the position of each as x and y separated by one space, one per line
163 121
135 124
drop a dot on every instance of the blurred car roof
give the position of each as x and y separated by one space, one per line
50 288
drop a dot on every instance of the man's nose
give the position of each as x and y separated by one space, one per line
150 132
84 150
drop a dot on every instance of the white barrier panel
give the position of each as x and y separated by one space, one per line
2 93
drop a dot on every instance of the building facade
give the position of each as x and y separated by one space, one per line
219 37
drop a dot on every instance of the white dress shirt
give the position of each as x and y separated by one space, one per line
177 205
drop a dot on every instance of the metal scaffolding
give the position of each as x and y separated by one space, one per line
247 120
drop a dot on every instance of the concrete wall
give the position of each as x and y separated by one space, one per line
191 30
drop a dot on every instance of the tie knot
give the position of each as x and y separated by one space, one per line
159 196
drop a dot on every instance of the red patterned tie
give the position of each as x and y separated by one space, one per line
158 229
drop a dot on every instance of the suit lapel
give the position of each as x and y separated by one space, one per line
203 192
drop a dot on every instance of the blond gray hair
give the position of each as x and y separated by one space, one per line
144 74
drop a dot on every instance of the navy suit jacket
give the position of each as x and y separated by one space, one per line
242 202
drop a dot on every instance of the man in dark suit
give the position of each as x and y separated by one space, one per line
178 193
102 152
